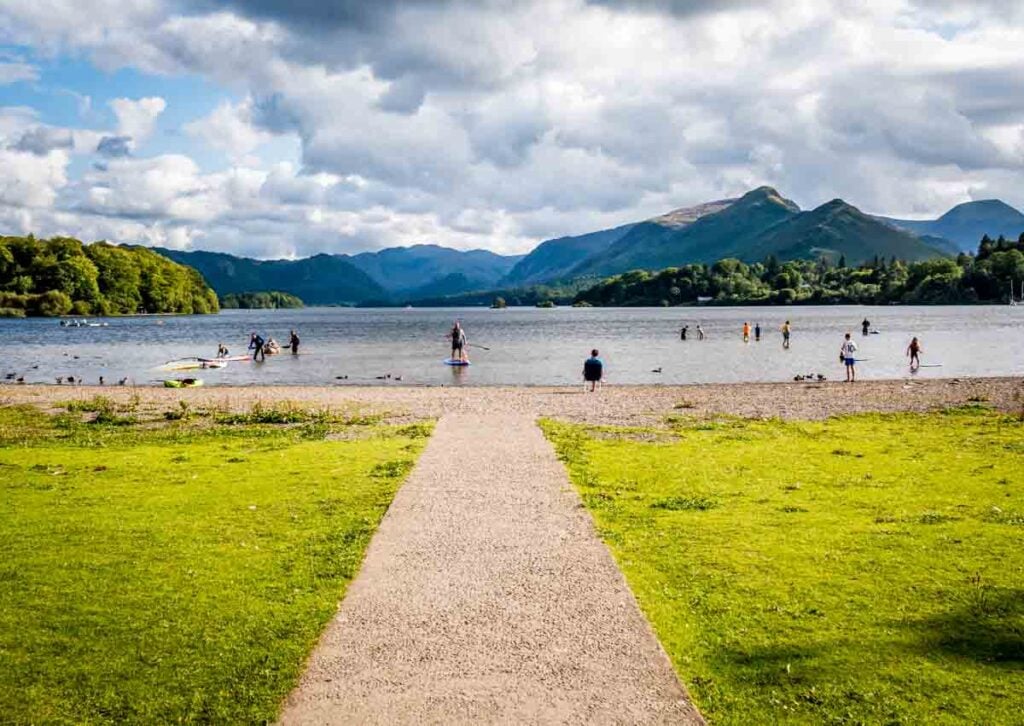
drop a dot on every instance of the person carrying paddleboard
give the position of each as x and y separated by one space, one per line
459 343
846 354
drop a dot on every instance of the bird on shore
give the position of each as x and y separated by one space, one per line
656 370
123 381
101 380
20 379
60 380
10 376
341 378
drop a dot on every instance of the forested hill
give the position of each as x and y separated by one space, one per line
62 276
981 278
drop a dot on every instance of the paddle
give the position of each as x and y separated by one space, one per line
474 345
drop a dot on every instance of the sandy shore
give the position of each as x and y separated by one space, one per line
613 404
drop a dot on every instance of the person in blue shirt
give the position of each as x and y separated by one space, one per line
593 370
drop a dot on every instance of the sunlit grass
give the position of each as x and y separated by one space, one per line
178 571
867 569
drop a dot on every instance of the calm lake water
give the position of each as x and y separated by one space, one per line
527 346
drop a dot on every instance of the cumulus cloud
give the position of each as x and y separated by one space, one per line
229 128
136 118
497 123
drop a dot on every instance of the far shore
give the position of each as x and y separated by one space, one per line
619 404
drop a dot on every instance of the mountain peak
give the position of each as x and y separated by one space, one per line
979 208
769 195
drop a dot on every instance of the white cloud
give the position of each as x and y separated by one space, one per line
496 124
229 128
136 118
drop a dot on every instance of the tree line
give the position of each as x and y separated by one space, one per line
983 277
271 300
63 276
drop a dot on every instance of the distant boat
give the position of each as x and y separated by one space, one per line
701 300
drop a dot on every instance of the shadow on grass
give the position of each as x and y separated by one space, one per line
987 627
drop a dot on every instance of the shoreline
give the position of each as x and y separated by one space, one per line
641 405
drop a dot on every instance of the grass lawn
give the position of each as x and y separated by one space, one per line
178 570
866 569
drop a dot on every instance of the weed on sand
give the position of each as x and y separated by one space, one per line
866 569
177 570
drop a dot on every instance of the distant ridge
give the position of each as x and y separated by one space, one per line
966 223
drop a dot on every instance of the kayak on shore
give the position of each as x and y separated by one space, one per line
183 383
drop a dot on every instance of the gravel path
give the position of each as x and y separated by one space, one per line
486 597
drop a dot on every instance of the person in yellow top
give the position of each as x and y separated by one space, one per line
746 332
785 334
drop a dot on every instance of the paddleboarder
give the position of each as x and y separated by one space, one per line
293 342
786 328
458 337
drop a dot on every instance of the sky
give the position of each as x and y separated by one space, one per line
284 128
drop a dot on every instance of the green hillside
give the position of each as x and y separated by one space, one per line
318 280
555 258
726 232
836 230
62 276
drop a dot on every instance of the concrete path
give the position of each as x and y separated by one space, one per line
486 597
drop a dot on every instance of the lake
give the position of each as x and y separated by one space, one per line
528 346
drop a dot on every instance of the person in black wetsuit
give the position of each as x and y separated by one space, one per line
682 333
293 342
866 326
256 344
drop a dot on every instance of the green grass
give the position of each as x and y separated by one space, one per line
867 569
163 572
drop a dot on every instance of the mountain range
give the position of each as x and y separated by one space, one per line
387 276
751 227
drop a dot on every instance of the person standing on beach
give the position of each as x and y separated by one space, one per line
914 351
785 335
700 332
458 336
746 332
846 354
293 342
682 333
593 370
256 344
757 332
865 326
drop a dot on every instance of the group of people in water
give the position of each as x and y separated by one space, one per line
261 347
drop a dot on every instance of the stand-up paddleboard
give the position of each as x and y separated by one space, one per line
930 365
226 359
455 362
